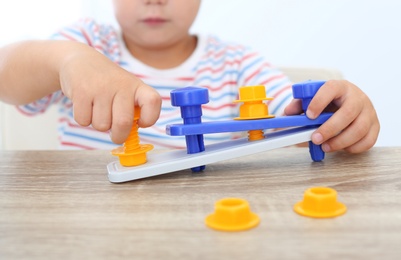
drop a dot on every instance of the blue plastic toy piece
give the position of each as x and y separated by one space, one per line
189 100
245 125
306 91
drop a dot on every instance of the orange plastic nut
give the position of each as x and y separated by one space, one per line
253 110
253 106
320 202
132 158
252 93
232 214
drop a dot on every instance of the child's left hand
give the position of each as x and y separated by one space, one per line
354 125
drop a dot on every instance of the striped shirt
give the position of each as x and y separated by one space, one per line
216 65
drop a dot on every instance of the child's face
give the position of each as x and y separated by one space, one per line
155 23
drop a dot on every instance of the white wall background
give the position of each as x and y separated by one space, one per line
25 19
361 38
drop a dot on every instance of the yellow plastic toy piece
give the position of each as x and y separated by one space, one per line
133 153
320 202
232 214
253 107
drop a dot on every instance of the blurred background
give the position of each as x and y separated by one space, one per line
360 38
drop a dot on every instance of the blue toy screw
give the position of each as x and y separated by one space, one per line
189 100
306 91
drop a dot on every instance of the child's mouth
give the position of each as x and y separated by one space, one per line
154 21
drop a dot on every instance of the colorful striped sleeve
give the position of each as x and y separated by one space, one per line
41 105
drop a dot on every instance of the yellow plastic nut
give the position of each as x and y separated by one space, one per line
320 202
133 158
253 106
252 93
253 111
232 214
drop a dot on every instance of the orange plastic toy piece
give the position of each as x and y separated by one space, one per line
133 153
320 202
253 107
232 214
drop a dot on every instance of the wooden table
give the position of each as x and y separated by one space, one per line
60 205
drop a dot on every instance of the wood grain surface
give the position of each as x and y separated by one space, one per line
60 205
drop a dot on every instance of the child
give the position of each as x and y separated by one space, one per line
97 74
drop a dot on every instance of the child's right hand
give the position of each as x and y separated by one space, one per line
104 95
354 126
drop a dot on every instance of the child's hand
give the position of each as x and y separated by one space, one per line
104 95
353 127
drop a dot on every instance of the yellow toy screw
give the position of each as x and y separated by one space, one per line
253 107
133 153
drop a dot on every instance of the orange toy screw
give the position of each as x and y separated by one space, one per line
320 202
232 214
253 107
133 153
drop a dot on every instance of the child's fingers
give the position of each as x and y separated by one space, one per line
294 108
328 92
150 102
349 136
101 115
340 120
362 128
366 142
122 116
82 109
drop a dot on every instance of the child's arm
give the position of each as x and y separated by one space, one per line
103 94
354 126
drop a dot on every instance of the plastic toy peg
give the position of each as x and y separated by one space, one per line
133 153
253 107
232 214
306 91
189 100
316 152
320 202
